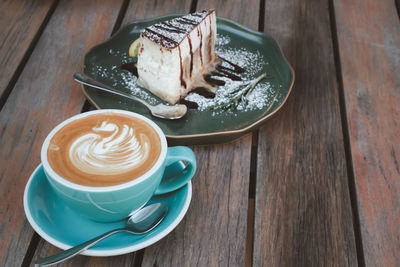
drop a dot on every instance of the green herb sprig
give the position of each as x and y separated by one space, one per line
239 94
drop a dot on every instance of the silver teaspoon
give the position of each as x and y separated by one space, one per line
140 222
160 111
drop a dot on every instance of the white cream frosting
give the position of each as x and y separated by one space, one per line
109 149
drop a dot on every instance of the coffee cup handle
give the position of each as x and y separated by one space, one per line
176 174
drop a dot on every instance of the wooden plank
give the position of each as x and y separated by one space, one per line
138 10
303 212
44 95
19 24
369 47
213 233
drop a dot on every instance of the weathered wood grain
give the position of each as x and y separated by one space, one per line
213 233
243 12
44 95
44 249
303 214
368 34
19 23
138 10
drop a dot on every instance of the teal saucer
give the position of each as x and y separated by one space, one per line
63 227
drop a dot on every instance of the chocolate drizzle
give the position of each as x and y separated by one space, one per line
204 92
184 20
163 36
209 19
210 43
201 46
169 28
201 91
131 67
188 104
197 14
170 34
213 81
183 83
223 73
191 55
236 68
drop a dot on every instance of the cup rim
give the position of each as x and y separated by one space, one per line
54 176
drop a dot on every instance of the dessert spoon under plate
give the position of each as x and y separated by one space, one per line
160 111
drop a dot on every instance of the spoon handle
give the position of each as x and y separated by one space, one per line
69 253
160 111
85 79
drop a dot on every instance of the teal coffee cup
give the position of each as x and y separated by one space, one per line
120 143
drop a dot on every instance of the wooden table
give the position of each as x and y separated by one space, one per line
317 185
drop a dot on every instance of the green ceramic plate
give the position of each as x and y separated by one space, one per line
262 54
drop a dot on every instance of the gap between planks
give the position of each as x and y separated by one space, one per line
251 200
27 55
253 170
31 250
397 4
346 139
87 106
193 6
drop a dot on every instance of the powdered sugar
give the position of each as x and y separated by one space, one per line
222 40
122 79
260 97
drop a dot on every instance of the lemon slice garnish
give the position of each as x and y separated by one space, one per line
134 48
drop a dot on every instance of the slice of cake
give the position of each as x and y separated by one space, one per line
175 54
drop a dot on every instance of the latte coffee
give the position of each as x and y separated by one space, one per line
104 149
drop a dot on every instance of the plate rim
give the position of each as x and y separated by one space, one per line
99 252
240 131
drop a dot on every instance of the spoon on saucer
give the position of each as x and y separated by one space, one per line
140 222
160 111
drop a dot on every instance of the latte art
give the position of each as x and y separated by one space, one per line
104 149
109 150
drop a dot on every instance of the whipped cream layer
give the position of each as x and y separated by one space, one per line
104 150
